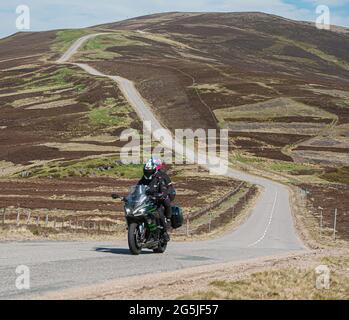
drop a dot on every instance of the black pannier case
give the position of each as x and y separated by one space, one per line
177 217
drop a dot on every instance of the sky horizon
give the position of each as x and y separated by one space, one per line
48 15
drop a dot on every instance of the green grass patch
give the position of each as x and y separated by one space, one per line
270 109
339 175
291 167
97 47
246 159
103 42
113 112
317 52
63 78
107 167
80 88
102 117
36 89
65 38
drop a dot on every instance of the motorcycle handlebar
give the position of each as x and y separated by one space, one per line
115 197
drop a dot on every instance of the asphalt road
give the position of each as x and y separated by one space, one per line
269 230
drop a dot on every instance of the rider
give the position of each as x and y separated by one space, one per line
171 191
160 187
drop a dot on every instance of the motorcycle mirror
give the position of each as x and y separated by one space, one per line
115 196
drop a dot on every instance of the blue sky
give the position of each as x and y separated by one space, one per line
58 14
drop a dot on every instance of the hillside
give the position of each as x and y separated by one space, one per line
280 86
274 82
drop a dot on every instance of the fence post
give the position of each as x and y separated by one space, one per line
46 220
187 225
209 222
28 217
37 221
321 219
335 224
18 215
4 216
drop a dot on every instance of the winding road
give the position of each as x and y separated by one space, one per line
268 231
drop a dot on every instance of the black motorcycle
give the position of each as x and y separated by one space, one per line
143 220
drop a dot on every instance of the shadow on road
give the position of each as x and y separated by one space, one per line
118 251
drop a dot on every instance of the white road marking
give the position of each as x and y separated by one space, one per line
268 225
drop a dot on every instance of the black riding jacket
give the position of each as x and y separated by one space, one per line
157 186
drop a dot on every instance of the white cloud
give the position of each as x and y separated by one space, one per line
330 3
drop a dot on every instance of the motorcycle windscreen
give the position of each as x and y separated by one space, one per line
137 196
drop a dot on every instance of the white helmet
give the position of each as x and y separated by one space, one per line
152 166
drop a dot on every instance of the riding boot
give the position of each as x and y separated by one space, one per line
164 226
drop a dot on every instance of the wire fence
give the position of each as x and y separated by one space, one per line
110 223
217 203
34 219
211 221
330 228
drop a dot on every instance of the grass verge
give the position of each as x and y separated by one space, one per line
283 284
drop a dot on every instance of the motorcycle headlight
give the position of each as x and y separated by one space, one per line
127 211
140 212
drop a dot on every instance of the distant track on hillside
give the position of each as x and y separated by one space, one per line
269 230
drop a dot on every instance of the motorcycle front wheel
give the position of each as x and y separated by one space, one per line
134 239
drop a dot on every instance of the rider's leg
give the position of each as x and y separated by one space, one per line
168 208
162 219
164 225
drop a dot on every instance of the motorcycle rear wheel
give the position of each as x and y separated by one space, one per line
133 243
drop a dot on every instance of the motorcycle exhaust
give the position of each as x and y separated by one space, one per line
150 245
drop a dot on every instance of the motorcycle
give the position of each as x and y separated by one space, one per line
143 221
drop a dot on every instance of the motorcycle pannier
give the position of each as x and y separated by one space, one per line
177 217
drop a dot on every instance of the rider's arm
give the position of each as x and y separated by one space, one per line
170 187
141 182
158 189
167 178
163 188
